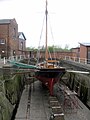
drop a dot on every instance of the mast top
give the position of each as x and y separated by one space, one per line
46 12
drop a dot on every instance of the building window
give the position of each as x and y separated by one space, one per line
21 37
21 45
3 51
2 41
14 52
14 33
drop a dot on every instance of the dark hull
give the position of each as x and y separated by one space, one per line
50 76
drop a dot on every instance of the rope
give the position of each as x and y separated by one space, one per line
50 54
52 37
38 52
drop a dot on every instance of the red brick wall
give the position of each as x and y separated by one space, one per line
9 32
83 51
3 31
57 55
13 37
3 35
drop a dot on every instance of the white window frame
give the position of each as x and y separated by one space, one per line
2 41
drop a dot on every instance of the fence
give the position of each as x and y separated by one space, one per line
70 58
15 58
77 59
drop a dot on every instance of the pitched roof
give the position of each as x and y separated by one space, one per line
5 21
21 33
85 44
76 48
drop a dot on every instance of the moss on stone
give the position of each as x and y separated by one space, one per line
10 92
13 89
6 107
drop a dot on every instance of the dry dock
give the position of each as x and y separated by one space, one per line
35 108
34 105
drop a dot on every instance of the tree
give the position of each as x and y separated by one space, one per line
66 47
31 49
50 48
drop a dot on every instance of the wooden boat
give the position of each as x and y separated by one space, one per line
49 72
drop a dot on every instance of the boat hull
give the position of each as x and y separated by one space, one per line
49 77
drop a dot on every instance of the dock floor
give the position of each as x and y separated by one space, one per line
38 106
34 105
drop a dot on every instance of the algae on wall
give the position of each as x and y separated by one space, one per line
13 89
10 92
81 84
6 107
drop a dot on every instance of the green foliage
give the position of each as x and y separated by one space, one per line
54 48
31 49
50 48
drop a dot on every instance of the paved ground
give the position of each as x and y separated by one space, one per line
36 106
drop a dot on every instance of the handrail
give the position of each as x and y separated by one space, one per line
77 59
70 58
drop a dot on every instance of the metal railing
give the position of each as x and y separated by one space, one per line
77 59
70 58
13 58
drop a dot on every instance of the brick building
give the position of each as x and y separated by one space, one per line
85 51
76 52
56 54
12 42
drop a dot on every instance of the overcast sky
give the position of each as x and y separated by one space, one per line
69 20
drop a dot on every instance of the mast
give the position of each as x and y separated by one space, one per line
46 52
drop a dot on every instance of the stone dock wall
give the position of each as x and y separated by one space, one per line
11 87
80 83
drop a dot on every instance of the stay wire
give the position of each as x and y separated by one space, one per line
38 51
52 36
